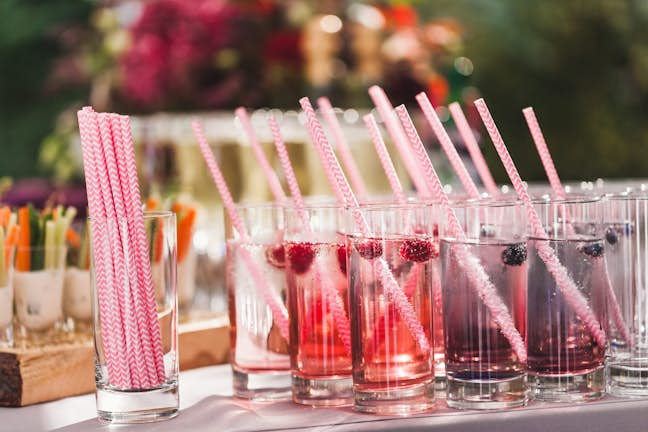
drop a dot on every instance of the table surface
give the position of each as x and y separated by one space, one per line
206 405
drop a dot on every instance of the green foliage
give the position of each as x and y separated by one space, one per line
28 47
582 65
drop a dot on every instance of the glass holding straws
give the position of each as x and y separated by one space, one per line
567 347
258 350
483 370
392 372
316 275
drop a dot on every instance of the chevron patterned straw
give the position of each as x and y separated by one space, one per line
342 146
277 308
112 332
334 301
385 109
474 271
473 148
559 191
447 145
128 204
114 204
135 219
345 197
567 287
271 177
385 160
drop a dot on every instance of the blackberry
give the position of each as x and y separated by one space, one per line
514 255
594 250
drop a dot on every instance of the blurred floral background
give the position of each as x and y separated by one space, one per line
582 65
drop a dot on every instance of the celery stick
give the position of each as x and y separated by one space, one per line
84 257
50 246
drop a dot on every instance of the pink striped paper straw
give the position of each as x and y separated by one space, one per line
473 148
346 197
543 151
559 191
114 202
385 160
335 302
386 111
448 146
271 177
124 208
476 274
560 274
342 146
125 152
112 332
277 308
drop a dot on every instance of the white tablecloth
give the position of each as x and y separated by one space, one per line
206 405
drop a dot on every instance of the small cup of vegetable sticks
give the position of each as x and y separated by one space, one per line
40 270
77 290
8 237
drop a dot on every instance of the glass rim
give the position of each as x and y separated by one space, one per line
391 206
491 202
290 206
243 205
629 195
569 199
148 214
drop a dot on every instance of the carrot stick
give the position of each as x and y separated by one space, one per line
22 259
159 243
73 238
152 203
177 207
185 229
5 213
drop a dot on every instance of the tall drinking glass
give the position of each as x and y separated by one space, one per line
483 367
566 330
625 230
136 331
316 274
396 251
258 349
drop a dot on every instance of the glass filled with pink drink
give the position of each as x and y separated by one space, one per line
392 257
485 367
258 346
316 277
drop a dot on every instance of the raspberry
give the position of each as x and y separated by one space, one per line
594 250
514 255
369 249
611 235
276 256
341 256
418 250
301 256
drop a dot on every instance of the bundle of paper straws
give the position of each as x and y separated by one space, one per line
130 330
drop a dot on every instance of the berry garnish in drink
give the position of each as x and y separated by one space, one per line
418 250
276 256
301 256
594 250
487 231
514 255
611 235
341 256
369 249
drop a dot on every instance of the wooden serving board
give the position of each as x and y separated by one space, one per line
65 367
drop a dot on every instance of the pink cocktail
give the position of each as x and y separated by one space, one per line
393 373
316 277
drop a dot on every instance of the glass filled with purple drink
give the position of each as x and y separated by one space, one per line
485 365
568 287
